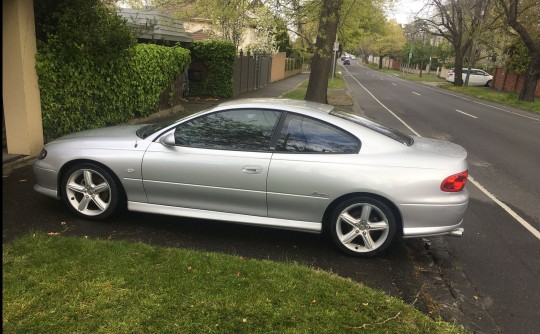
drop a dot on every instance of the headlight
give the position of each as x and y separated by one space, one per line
42 154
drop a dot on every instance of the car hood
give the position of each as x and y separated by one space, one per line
112 132
115 137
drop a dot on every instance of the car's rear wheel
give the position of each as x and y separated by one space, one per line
363 226
90 191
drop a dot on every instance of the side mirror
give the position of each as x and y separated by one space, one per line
168 140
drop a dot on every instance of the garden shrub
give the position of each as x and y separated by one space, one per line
219 58
81 94
91 72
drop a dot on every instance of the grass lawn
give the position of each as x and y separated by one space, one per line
337 92
55 284
506 98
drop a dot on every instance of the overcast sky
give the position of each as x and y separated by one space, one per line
405 10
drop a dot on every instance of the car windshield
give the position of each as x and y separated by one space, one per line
150 129
391 133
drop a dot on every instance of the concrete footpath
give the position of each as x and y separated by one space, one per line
193 105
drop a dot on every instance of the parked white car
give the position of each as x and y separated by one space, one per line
476 78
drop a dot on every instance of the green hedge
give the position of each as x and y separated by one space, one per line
219 58
81 94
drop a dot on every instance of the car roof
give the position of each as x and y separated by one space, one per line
300 106
465 68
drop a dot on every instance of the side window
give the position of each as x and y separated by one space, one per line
306 135
238 130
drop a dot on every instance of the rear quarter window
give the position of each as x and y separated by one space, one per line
384 130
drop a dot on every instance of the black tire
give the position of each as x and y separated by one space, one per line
96 201
362 226
489 83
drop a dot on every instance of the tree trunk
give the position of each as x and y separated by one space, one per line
458 70
321 65
380 62
531 79
511 9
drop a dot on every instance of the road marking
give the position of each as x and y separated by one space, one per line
468 99
477 102
416 93
508 111
385 107
464 113
393 83
505 207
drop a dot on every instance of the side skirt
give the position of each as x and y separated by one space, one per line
295 225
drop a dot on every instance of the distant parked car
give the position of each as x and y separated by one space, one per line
476 78
280 163
346 62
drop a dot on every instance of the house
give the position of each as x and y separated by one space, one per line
201 27
151 26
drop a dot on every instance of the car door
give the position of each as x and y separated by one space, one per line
309 163
219 163
475 78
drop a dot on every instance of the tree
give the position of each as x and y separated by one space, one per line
315 23
358 20
390 42
231 17
523 16
322 59
457 21
82 28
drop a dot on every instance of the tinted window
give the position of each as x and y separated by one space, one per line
245 130
306 135
391 133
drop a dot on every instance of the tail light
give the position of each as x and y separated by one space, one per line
455 183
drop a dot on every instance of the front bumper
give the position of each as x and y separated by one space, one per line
46 182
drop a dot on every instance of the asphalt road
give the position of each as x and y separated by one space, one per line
495 266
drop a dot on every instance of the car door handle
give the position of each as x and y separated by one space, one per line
252 169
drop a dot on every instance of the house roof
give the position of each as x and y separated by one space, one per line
152 25
200 35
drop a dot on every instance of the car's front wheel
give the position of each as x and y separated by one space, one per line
90 191
363 226
489 83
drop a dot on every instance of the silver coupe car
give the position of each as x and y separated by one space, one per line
279 163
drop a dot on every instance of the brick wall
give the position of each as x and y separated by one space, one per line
510 81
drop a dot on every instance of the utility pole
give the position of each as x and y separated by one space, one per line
334 60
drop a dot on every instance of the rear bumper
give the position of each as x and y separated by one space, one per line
417 232
425 220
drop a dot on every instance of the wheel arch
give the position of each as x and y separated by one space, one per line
72 163
337 201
